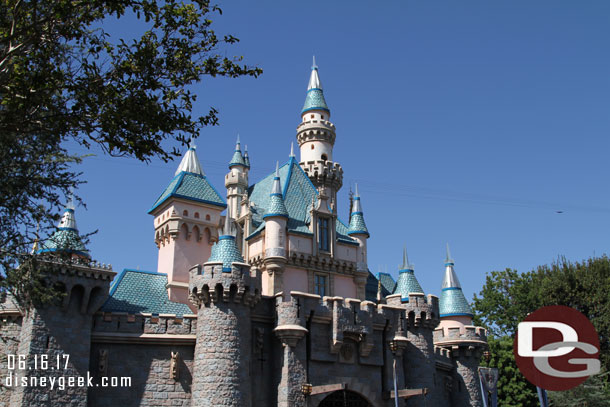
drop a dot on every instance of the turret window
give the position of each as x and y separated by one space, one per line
323 234
185 213
324 157
196 215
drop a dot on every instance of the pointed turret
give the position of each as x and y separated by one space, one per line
292 151
407 282
190 162
186 215
238 158
356 220
66 239
226 250
276 199
452 301
246 156
315 95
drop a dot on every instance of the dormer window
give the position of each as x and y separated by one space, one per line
324 234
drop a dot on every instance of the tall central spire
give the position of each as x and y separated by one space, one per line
315 95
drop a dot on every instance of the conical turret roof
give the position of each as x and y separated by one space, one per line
315 95
407 282
238 158
452 301
277 207
356 220
225 250
66 238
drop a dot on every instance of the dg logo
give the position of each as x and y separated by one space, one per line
557 348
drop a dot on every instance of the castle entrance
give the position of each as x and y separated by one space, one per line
344 398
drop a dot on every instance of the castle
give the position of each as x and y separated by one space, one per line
271 304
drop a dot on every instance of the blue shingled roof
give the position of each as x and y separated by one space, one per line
137 291
453 303
193 187
298 193
357 225
387 283
64 240
407 283
237 159
315 101
276 206
225 251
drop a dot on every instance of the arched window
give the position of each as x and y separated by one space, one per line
207 217
196 234
185 213
196 215
184 231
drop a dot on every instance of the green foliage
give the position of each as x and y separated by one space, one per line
64 79
513 389
508 297
592 393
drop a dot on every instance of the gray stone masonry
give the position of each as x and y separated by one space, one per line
467 347
224 334
62 333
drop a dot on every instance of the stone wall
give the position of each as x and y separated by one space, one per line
10 328
149 367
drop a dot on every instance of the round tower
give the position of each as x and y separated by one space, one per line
466 342
275 218
422 317
224 292
316 138
357 230
236 181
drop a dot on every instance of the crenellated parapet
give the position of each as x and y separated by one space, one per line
323 172
316 129
422 310
211 283
460 336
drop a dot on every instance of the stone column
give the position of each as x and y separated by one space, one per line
468 391
294 373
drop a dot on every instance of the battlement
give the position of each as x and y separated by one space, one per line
236 179
213 283
145 323
421 310
460 336
325 172
316 130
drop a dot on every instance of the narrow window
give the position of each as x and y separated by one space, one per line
323 234
320 285
196 215
185 213
207 217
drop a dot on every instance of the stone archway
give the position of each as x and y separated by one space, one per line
344 398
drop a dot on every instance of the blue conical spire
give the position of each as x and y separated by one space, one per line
315 95
276 199
238 158
407 282
225 250
356 220
452 301
66 239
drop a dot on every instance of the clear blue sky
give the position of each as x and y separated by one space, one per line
466 122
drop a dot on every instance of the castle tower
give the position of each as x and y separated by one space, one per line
457 333
63 326
275 235
316 138
187 215
357 230
422 317
224 292
236 181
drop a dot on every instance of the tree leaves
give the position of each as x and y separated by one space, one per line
64 78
